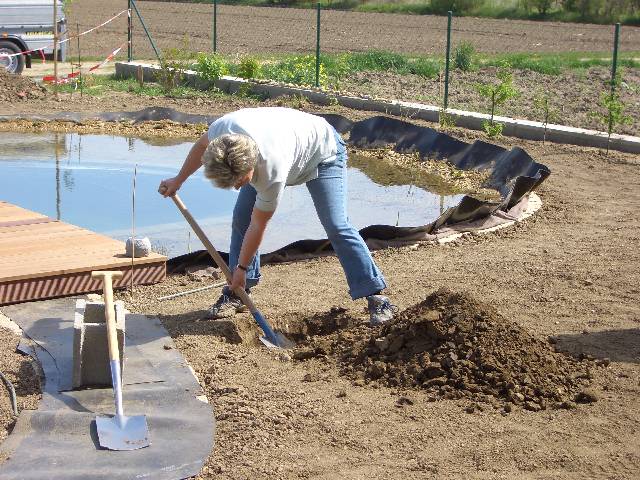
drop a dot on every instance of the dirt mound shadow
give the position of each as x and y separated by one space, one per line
14 88
452 346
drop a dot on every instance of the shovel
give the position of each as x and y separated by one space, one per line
271 339
118 432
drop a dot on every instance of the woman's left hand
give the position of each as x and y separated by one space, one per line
239 279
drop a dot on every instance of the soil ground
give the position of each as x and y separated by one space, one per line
287 30
569 272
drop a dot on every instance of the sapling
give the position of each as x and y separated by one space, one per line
497 94
542 103
445 119
614 107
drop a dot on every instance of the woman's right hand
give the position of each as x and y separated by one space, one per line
169 187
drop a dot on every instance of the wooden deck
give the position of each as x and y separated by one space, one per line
44 258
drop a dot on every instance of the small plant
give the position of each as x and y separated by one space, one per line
173 66
542 103
249 67
492 129
463 57
211 66
445 119
299 70
497 94
611 102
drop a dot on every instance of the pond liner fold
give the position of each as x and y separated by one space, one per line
513 173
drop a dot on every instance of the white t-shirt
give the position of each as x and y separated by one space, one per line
291 143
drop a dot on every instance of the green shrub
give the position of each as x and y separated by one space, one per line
425 67
173 65
249 67
587 9
463 57
211 66
299 70
459 7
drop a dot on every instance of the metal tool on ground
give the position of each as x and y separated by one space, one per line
118 432
271 338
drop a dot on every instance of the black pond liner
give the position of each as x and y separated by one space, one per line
514 174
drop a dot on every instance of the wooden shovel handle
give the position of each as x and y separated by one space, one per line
240 292
109 313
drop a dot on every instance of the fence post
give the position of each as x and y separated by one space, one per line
135 7
129 35
318 48
215 25
614 66
446 62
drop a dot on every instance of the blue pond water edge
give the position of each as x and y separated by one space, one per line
87 180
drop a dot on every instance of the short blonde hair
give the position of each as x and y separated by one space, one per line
228 158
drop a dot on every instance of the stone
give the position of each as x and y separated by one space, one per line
140 247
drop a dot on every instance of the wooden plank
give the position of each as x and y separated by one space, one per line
37 252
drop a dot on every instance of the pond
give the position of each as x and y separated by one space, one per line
87 180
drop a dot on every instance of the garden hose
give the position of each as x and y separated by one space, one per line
12 392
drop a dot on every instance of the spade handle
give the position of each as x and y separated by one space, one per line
109 313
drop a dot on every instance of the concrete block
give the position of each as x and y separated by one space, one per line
91 366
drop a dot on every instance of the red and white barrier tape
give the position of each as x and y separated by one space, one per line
71 76
41 50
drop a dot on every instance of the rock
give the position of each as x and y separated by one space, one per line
311 377
402 401
532 406
586 396
139 247
382 343
435 382
341 394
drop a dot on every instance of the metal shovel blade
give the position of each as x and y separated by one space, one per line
278 340
123 433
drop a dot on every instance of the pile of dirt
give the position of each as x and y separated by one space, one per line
14 88
453 347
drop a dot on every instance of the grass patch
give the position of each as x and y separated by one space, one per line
556 63
101 84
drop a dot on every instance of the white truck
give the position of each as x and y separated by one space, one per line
27 26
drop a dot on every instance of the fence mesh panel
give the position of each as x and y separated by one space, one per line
412 68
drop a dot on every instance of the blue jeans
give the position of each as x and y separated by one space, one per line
329 194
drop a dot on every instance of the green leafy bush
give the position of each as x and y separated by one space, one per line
299 70
456 6
173 65
249 67
463 57
211 66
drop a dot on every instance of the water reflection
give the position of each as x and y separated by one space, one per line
87 181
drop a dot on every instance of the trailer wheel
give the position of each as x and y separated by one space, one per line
13 64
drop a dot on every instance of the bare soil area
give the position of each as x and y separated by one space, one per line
550 306
288 30
573 95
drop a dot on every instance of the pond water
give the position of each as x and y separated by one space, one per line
87 180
